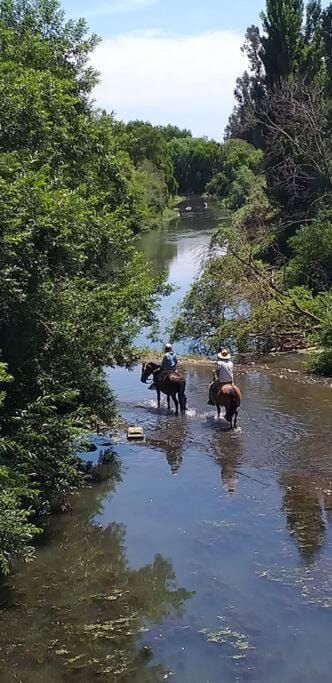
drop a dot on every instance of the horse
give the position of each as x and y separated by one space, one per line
229 396
170 384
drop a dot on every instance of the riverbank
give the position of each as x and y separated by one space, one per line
284 361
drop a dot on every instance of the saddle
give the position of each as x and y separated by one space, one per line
168 375
163 376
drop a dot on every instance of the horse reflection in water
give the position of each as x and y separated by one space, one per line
304 507
171 384
170 437
229 455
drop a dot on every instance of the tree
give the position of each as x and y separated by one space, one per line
195 161
143 141
74 290
239 164
282 41
311 257
298 155
294 44
170 132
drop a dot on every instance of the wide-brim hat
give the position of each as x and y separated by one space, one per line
224 355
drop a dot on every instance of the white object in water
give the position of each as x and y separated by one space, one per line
135 433
188 208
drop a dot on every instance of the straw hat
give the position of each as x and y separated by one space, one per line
224 354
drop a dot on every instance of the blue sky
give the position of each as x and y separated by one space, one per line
109 17
169 61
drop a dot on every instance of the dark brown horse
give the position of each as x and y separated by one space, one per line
171 384
229 396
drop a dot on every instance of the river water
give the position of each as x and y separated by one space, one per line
207 556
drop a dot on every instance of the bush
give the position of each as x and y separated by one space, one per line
321 363
311 262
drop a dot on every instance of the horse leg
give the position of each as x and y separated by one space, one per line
176 403
219 411
158 398
168 401
235 419
182 397
228 414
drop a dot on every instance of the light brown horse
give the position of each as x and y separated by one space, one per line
171 384
229 396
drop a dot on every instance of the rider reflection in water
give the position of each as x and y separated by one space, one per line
169 363
223 374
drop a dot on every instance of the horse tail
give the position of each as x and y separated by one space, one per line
234 405
182 396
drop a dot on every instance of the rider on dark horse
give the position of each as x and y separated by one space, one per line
169 364
223 374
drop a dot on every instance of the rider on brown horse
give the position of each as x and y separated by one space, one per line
222 391
223 374
169 364
166 380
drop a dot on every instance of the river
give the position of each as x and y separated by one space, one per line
207 556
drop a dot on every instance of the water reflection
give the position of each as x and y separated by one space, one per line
177 250
80 611
303 506
170 437
228 452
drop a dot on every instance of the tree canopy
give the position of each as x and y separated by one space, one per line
271 288
75 291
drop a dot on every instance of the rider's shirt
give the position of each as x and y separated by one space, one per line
170 361
225 371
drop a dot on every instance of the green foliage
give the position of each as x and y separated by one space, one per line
16 532
282 235
195 161
282 44
321 363
144 141
295 44
239 164
74 290
311 262
173 132
155 194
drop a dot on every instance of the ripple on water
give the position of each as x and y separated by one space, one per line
313 582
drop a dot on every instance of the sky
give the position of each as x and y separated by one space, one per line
169 61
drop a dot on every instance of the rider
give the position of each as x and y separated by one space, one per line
223 374
169 363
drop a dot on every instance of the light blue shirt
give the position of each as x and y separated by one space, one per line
170 361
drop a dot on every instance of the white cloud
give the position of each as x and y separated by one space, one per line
185 80
119 6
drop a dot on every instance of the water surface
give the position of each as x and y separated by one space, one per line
178 250
205 558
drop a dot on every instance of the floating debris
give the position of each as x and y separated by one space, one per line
135 433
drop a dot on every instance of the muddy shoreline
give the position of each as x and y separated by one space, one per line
245 364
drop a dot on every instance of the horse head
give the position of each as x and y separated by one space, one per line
147 370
